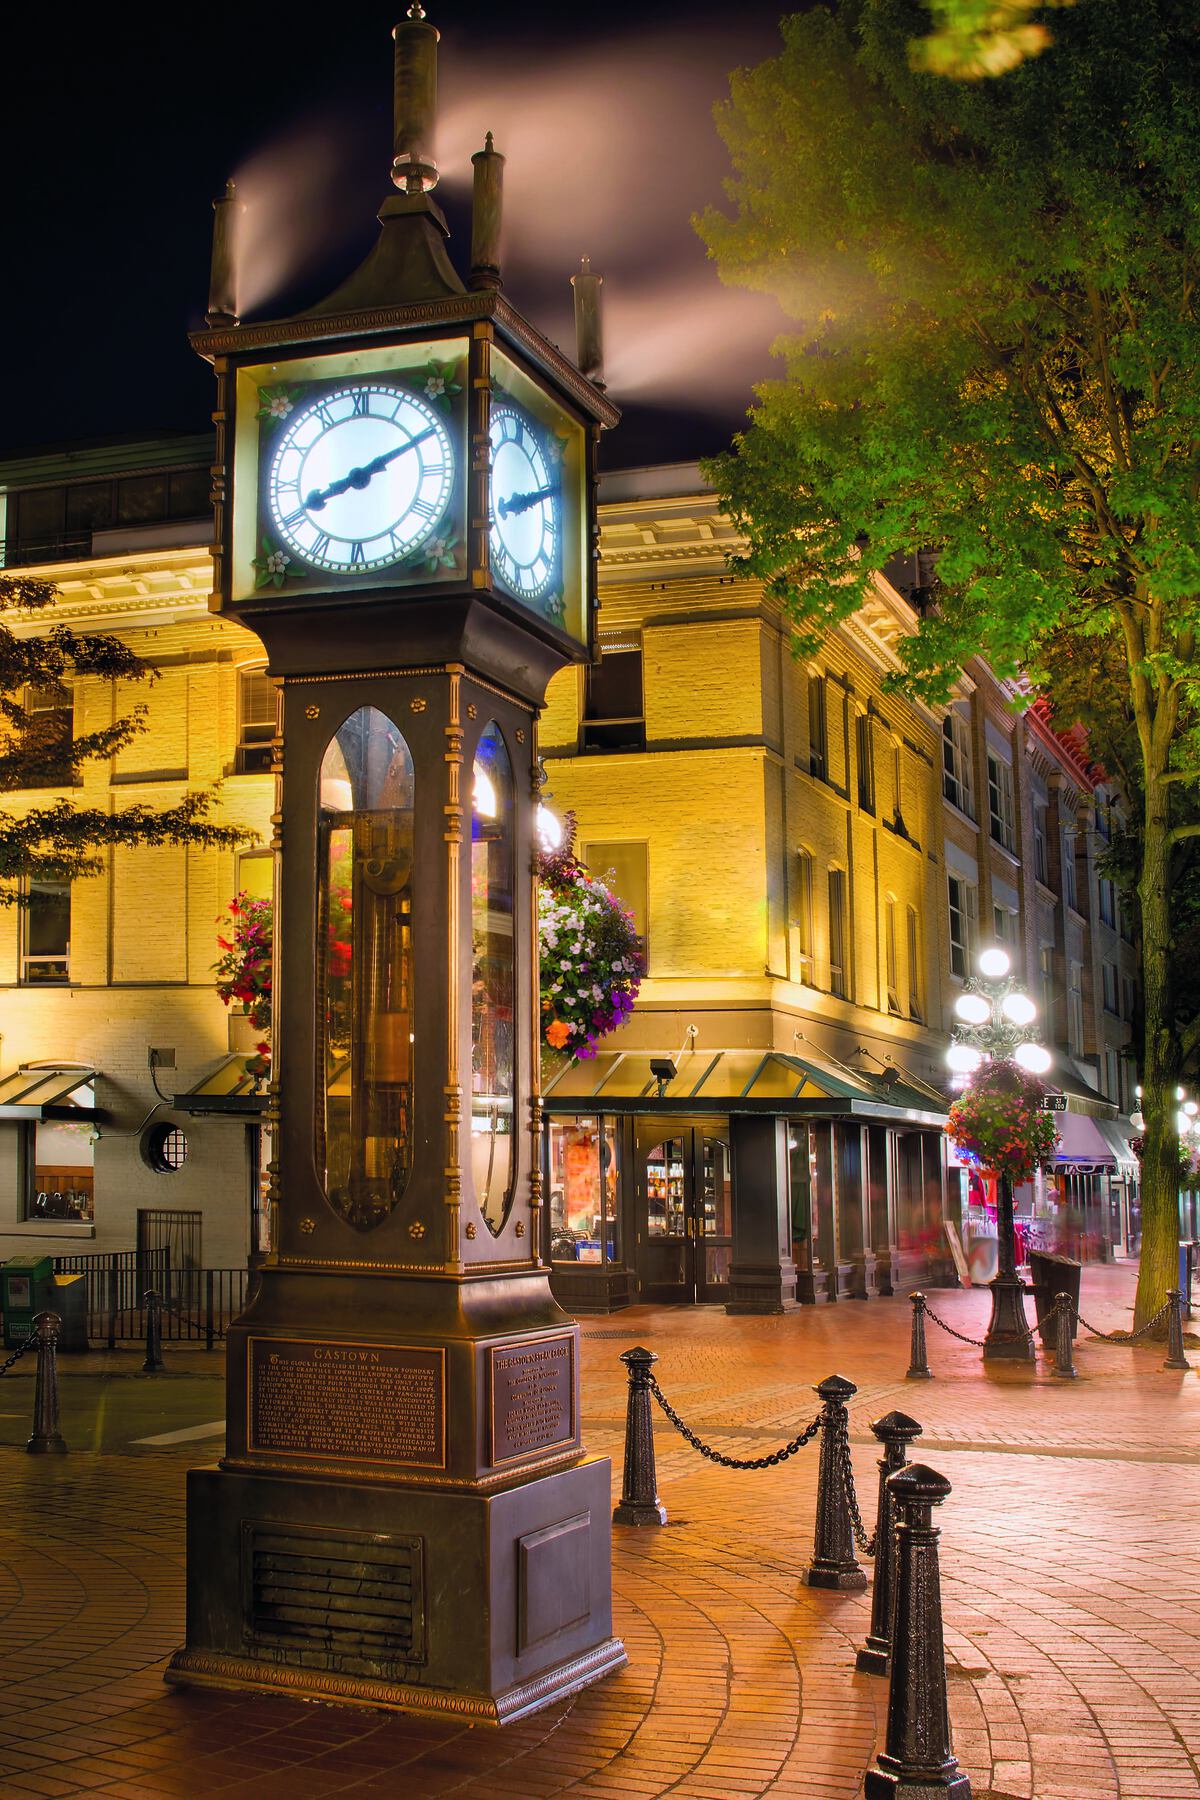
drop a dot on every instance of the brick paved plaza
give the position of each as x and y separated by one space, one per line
1070 1559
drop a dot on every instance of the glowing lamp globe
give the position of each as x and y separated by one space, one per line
963 1059
973 1008
1190 1108
994 963
1033 1058
549 830
1019 1008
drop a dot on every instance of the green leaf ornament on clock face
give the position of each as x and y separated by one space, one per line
360 477
527 506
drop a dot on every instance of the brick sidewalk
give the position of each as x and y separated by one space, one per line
1072 1593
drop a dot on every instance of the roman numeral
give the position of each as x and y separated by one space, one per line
356 553
362 403
294 519
321 545
323 413
424 509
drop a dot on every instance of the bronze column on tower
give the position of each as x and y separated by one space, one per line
404 490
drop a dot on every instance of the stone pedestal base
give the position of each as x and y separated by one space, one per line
480 1605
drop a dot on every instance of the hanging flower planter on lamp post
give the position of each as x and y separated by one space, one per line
591 955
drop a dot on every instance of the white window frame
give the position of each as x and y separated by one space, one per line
966 908
1001 803
956 763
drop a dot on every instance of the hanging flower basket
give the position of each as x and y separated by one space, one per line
591 955
1189 1161
998 1122
243 969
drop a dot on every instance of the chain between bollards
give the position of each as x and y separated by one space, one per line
46 1439
153 1304
18 1353
895 1431
917 1760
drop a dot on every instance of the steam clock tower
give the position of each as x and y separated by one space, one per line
405 508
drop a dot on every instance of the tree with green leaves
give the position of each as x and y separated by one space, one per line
997 354
57 839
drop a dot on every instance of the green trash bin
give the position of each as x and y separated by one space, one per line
26 1289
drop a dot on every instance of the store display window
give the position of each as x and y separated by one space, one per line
584 1189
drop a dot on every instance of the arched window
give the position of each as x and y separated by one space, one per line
492 982
365 969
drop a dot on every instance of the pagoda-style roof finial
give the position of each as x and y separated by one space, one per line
415 102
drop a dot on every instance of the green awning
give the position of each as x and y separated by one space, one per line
230 1089
62 1091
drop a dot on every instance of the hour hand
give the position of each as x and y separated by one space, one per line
519 503
359 478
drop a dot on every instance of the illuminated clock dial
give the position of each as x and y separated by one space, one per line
361 477
526 534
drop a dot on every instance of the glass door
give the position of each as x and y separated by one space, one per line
684 1203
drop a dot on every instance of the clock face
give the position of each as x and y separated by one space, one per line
361 476
527 502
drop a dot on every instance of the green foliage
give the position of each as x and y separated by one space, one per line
56 839
974 38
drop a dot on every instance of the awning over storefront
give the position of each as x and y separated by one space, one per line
62 1091
725 1081
1116 1134
1080 1143
229 1089
1063 1077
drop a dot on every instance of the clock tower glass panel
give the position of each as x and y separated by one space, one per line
349 470
537 500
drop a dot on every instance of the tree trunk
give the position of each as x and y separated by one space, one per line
1159 1268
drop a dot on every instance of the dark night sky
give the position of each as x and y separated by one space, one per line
120 126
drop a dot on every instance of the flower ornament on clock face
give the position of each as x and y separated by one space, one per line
360 477
526 534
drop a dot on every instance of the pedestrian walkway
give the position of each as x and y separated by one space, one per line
1071 1585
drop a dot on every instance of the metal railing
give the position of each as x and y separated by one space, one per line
197 1304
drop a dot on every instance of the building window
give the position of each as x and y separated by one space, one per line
46 933
256 721
1004 924
957 785
866 762
891 955
255 874
839 982
963 916
51 714
1124 919
1046 980
1041 847
1070 892
804 915
818 737
1104 818
1108 903
1108 973
625 868
614 703
916 1007
57 1166
1129 990
1000 801
1075 1008
1112 1076
585 1220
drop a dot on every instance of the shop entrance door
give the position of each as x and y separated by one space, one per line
684 1210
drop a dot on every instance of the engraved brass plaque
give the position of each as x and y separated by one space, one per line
347 1402
532 1388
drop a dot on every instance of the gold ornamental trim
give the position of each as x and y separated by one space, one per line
206 1668
402 1474
434 1271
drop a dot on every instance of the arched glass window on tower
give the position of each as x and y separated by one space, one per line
492 978
365 969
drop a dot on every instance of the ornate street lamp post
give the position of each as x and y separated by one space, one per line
994 1019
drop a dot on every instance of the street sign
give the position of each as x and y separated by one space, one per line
1054 1103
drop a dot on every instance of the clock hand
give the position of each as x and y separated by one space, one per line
359 478
522 502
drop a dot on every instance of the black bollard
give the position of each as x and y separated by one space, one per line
1064 1338
47 1439
833 1562
917 1760
639 1503
153 1304
1175 1357
895 1432
918 1359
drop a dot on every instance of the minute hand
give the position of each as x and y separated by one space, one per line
522 502
359 478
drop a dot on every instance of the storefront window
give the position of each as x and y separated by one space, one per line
492 979
59 1158
584 1216
801 1175
365 969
